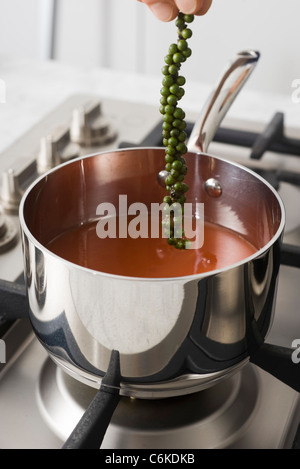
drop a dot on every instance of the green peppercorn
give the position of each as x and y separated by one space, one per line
167 126
169 180
179 113
182 44
180 93
179 244
169 59
177 123
177 165
182 199
172 141
178 57
174 173
169 109
174 89
170 150
173 48
188 18
178 187
182 125
181 148
180 22
173 70
167 200
186 33
185 187
169 159
165 91
175 132
187 52
168 80
182 136
168 118
172 99
183 169
173 128
180 80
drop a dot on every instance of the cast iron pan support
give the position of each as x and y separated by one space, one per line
91 429
13 300
276 360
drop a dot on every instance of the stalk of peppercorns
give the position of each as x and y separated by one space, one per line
173 127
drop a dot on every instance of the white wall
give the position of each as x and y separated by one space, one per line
124 35
108 33
25 28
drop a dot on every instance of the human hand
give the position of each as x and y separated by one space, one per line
167 10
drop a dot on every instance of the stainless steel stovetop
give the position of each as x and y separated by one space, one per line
40 404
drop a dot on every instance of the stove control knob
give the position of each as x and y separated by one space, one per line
90 128
8 233
55 149
11 193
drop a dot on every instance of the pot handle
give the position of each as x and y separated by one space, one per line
276 360
220 100
91 428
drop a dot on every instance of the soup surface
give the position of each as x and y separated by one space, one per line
150 257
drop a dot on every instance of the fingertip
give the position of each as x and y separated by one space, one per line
164 11
195 7
205 7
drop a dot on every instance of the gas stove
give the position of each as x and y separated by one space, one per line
40 404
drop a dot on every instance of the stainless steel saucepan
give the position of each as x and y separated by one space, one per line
172 335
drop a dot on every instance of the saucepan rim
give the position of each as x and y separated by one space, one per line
257 254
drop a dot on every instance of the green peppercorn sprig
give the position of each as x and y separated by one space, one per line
173 127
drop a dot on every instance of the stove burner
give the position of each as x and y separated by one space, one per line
212 418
